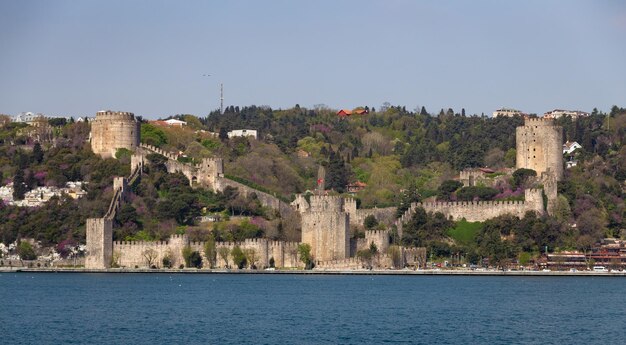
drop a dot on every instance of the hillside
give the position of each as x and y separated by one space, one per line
400 156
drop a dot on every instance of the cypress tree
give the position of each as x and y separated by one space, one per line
19 189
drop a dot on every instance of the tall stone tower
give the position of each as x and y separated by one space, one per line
325 227
112 130
540 147
99 243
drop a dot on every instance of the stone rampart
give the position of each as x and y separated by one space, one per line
414 256
143 254
357 216
348 263
265 199
479 211
210 174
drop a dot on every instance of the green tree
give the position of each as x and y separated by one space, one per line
337 173
187 251
239 257
37 153
473 192
224 253
408 196
19 187
167 261
26 251
304 250
210 251
370 222
446 189
152 135
195 259
521 176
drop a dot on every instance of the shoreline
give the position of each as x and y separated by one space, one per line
321 272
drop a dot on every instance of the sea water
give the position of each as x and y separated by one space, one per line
70 308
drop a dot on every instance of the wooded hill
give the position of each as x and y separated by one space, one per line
401 156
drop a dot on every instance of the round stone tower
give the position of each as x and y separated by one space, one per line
539 145
112 130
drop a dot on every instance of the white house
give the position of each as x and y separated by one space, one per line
508 112
570 147
174 122
243 133
556 113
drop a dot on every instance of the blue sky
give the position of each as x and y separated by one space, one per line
148 57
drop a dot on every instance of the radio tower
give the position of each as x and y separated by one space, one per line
221 98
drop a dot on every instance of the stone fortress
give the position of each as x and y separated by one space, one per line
535 146
325 220
112 130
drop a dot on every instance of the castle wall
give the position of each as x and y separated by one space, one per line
357 216
539 146
210 174
479 211
136 253
266 199
113 130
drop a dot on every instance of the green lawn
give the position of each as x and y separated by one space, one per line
464 231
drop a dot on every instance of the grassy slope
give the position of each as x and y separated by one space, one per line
465 232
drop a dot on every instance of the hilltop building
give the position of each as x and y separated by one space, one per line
557 113
112 130
243 133
508 112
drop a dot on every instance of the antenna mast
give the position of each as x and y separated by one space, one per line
221 98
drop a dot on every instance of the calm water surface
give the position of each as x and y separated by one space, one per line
296 309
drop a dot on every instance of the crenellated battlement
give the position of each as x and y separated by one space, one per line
478 211
326 203
469 204
539 121
160 151
539 146
112 130
109 113
375 233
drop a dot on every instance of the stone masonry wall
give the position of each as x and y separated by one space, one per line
112 130
131 254
478 211
99 248
539 146
357 216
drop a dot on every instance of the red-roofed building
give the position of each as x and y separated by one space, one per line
356 187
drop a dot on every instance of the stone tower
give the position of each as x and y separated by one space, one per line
209 171
325 227
112 130
540 147
99 243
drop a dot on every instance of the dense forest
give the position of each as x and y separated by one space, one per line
401 156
